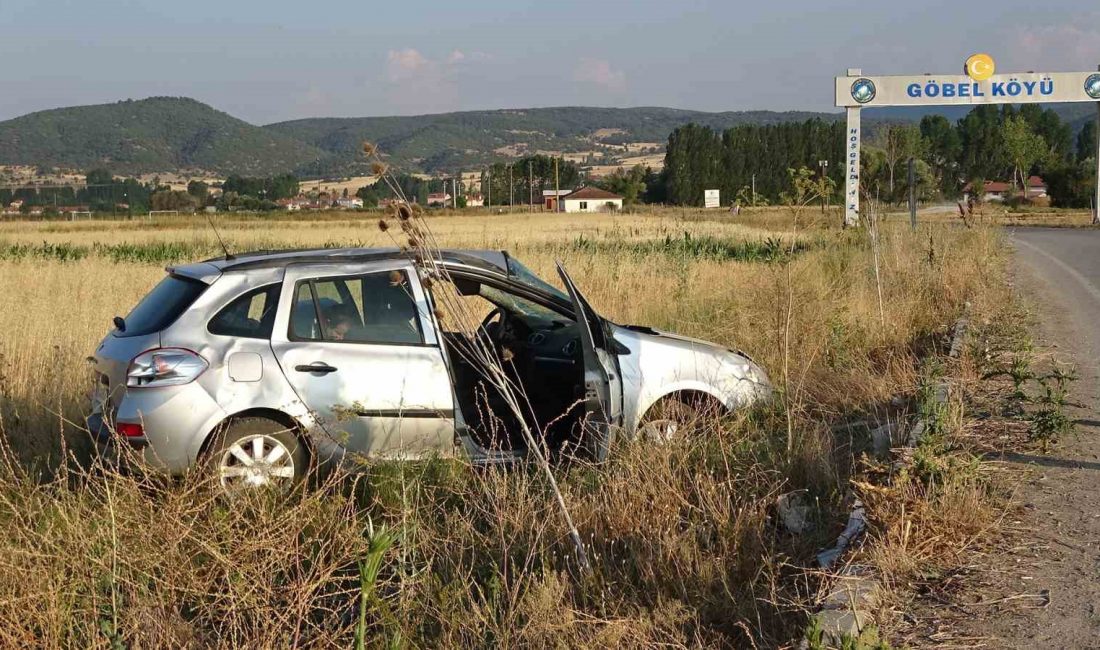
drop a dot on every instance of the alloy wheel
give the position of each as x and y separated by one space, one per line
256 461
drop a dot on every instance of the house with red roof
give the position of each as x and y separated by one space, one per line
1001 190
592 199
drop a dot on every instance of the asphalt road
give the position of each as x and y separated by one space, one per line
1050 574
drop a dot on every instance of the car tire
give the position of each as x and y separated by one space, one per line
671 418
256 452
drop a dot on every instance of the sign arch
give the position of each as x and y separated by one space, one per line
855 91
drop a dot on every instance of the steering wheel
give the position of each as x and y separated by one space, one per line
490 328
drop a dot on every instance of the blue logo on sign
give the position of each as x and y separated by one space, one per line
863 90
1092 86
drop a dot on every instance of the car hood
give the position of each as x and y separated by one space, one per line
657 335
655 363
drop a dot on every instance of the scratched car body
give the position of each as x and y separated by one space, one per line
257 365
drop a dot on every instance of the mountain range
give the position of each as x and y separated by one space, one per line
165 134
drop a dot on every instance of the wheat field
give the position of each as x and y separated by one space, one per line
686 549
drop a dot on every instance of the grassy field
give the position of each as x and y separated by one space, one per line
686 547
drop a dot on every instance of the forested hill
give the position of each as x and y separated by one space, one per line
163 134
151 135
450 141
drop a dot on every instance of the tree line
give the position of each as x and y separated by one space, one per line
755 162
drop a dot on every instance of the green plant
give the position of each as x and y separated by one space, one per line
1049 421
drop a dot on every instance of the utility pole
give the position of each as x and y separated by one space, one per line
754 190
557 186
530 188
1096 198
489 198
511 190
912 194
823 166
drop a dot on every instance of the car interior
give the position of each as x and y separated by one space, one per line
539 350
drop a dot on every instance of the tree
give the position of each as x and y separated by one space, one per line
169 199
983 143
369 196
942 149
1072 185
805 188
628 184
1024 148
1086 141
199 190
694 163
899 143
99 176
1055 133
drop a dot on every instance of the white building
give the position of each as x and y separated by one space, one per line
439 200
351 203
592 199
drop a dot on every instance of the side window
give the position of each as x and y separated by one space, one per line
303 315
370 308
249 316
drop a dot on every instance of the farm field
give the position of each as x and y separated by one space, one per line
683 537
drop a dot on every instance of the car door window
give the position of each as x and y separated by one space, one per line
368 308
249 316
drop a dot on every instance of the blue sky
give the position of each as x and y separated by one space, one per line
276 60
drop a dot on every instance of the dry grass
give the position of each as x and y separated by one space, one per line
684 544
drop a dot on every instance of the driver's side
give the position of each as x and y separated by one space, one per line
485 326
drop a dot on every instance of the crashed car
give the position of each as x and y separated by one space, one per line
255 366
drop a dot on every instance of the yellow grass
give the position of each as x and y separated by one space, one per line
685 547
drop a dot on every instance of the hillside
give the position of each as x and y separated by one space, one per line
167 134
450 141
151 135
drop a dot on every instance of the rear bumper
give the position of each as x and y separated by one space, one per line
174 419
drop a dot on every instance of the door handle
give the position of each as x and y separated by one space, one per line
317 366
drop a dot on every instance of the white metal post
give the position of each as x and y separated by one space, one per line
1096 195
851 171
851 161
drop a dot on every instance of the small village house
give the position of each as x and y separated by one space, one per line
592 199
349 203
996 191
439 200
551 198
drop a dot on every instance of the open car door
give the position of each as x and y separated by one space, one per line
603 393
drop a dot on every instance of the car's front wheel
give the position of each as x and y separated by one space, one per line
677 416
257 453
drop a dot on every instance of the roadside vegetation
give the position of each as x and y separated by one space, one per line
684 539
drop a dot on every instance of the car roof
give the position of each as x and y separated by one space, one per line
486 260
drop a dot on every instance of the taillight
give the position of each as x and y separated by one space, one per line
129 429
164 367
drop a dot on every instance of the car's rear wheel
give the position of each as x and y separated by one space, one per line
257 453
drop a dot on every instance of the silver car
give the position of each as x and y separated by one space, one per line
257 365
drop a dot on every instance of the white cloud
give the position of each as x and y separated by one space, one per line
406 64
1073 45
599 72
456 56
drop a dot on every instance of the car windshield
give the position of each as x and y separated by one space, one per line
520 306
522 274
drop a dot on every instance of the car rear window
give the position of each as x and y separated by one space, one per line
251 316
162 306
